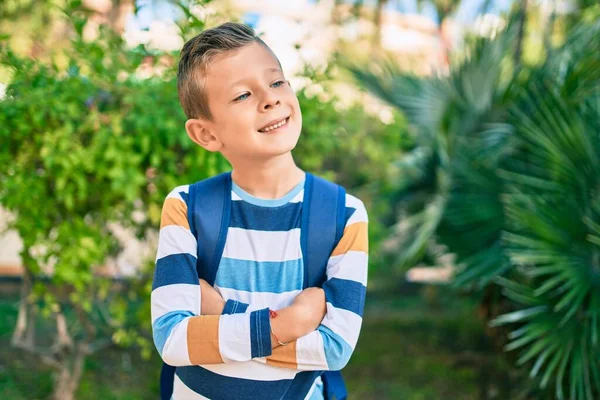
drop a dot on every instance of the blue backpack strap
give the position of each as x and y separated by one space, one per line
209 211
322 227
167 374
334 386
324 206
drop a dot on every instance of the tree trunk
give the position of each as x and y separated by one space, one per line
549 29
63 356
63 342
377 21
67 378
24 333
521 33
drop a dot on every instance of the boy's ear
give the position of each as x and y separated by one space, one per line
199 130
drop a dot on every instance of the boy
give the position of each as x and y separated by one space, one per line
224 340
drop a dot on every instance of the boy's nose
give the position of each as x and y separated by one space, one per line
269 103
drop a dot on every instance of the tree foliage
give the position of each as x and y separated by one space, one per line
90 140
86 148
505 176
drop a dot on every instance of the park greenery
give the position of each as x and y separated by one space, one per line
508 162
495 164
92 144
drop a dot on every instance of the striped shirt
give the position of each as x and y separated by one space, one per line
230 356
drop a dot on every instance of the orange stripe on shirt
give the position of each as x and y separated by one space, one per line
284 356
174 212
355 238
203 340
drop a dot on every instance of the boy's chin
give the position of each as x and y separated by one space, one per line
278 151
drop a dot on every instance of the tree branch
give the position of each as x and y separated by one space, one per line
24 329
63 339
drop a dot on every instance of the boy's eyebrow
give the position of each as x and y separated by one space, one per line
270 70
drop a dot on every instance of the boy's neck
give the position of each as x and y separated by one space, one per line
268 179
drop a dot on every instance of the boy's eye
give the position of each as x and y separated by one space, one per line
278 84
242 97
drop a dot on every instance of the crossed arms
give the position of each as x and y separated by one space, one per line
193 325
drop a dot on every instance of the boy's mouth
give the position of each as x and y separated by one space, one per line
275 125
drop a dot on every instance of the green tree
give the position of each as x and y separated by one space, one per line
85 148
505 176
88 143
552 233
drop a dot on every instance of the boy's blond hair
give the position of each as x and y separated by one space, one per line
196 56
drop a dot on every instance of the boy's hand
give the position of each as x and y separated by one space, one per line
303 316
211 301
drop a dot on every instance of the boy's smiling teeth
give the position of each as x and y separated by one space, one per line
274 126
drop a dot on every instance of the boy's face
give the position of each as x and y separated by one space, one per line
255 112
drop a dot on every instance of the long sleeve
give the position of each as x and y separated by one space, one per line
181 335
332 344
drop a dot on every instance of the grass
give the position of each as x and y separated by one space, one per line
409 349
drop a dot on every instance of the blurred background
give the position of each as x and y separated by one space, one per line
470 129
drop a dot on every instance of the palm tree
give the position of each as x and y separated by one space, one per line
455 117
521 34
552 205
506 175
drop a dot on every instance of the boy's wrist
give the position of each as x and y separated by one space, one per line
284 326
221 306
213 307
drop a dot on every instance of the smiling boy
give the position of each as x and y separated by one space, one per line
223 338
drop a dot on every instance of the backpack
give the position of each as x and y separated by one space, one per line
322 226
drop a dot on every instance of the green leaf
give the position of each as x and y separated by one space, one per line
518 316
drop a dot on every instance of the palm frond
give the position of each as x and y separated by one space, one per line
507 177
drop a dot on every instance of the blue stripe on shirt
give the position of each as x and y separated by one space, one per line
346 294
234 307
184 197
248 216
260 333
317 394
337 351
260 276
301 385
349 212
220 387
175 268
163 325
